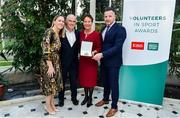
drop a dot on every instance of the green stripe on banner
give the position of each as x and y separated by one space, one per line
143 83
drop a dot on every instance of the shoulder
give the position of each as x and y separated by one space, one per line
49 31
81 32
120 26
96 33
76 31
103 28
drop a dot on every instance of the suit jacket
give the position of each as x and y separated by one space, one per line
69 55
112 46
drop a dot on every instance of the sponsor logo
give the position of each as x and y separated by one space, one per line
153 46
137 45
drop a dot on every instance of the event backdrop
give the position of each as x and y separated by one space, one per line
146 49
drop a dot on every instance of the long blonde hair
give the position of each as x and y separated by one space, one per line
62 31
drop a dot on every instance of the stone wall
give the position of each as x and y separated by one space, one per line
19 77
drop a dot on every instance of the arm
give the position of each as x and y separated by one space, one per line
47 52
97 45
51 70
119 40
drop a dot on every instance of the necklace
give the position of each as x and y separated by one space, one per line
87 33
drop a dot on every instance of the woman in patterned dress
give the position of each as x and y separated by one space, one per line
50 63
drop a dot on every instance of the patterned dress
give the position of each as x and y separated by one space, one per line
51 51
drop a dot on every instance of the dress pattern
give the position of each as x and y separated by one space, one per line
51 51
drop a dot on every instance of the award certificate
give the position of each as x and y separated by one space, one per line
86 48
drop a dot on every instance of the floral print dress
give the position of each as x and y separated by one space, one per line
51 51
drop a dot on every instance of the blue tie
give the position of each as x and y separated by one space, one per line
107 29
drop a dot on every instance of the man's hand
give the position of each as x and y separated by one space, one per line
97 56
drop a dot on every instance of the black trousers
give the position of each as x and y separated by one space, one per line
72 72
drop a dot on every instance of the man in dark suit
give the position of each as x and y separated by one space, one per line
113 36
69 59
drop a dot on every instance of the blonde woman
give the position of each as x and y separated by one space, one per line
50 63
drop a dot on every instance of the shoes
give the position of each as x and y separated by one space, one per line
56 110
84 101
61 103
111 112
89 102
75 101
101 103
51 113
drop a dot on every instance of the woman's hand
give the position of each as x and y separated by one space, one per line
51 70
93 53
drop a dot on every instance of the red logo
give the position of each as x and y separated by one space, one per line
137 45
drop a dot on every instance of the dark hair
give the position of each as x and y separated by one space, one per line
110 9
89 16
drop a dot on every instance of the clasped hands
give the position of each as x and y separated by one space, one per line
96 56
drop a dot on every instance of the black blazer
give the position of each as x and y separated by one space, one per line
112 46
69 55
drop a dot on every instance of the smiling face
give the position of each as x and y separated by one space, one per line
109 17
87 23
70 22
59 22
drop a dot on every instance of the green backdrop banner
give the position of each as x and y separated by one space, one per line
146 49
143 83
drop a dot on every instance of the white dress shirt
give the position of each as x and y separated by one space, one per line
70 37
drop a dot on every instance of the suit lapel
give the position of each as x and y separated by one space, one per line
76 35
66 41
110 31
102 32
103 29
